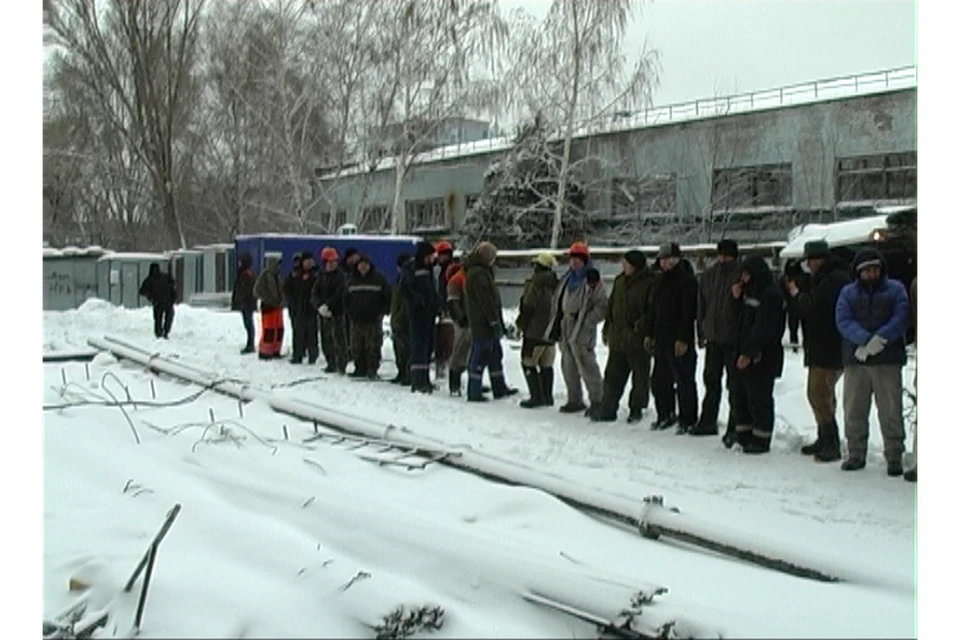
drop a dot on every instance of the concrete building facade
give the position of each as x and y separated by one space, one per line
715 168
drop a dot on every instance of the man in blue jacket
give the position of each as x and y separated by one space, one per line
872 315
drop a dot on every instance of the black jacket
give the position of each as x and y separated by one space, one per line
299 293
418 289
675 305
159 288
367 297
762 320
816 307
717 310
330 288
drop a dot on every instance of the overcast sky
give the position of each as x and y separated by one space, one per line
719 47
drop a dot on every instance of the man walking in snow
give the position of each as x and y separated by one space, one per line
816 308
243 299
538 352
628 322
161 290
485 316
367 300
759 354
675 359
327 297
872 315
718 321
578 306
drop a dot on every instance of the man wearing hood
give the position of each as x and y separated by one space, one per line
675 358
419 291
269 291
628 322
578 306
289 284
816 306
872 315
327 297
759 354
485 316
243 299
367 300
161 290
718 319
538 352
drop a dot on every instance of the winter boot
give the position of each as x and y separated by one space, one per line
853 464
894 468
501 390
814 448
704 429
546 384
532 377
330 368
829 443
593 411
636 415
757 445
477 399
910 475
664 422
573 407
247 349
454 377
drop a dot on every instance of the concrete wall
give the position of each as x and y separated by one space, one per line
810 137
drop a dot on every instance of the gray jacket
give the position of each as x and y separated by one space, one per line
576 314
718 312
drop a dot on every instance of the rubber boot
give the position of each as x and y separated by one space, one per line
546 384
532 377
455 376
829 443
814 447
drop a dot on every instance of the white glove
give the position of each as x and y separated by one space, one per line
860 353
325 311
875 345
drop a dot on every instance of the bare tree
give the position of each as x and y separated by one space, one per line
135 59
423 69
572 67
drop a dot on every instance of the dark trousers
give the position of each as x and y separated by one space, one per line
719 358
305 338
793 321
752 390
366 339
485 353
162 320
296 345
675 379
333 340
621 365
249 327
421 347
400 336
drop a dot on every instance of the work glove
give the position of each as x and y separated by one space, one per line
875 345
497 330
860 353
680 348
325 311
648 345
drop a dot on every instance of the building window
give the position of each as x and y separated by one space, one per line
765 186
426 214
891 176
374 219
649 197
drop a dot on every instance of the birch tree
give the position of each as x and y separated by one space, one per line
572 67
136 61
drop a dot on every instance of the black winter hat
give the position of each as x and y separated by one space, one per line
305 255
729 248
365 258
402 259
868 258
423 250
758 269
816 249
592 275
636 258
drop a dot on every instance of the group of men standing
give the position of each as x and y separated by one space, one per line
655 319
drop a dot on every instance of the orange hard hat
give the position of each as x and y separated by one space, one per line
443 247
579 249
329 254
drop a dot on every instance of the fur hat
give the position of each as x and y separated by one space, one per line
487 251
669 250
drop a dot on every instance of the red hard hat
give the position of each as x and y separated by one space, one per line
579 249
329 254
443 247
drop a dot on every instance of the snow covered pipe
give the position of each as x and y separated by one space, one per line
648 515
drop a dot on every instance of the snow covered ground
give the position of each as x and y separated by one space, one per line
266 542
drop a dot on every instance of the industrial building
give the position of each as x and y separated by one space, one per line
750 166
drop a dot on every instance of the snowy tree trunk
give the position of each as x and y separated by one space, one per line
568 136
398 222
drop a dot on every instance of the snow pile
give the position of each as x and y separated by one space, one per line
278 538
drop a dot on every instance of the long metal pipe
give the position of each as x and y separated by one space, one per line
646 515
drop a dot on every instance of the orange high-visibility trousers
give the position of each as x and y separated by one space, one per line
271 332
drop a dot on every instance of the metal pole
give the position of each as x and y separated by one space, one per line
151 557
